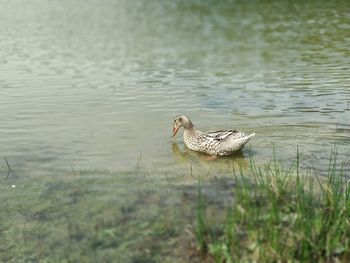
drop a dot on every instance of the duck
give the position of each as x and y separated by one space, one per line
214 143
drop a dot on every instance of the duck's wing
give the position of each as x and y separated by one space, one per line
222 135
211 142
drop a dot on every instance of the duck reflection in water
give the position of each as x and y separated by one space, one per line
236 160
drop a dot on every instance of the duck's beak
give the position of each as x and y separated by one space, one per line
175 129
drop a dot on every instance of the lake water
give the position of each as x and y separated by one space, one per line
88 93
95 85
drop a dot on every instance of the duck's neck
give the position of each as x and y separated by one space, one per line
189 125
191 132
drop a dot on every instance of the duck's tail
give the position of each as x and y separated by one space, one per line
250 136
246 140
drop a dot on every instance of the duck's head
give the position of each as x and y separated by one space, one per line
181 121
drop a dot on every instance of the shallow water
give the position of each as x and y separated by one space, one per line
95 85
88 93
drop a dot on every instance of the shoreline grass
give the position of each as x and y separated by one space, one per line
282 215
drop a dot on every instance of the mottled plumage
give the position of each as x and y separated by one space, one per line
223 142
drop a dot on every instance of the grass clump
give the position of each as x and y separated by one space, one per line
281 215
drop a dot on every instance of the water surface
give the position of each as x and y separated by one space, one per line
95 85
88 93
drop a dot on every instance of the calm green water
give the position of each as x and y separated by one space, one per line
88 93
94 85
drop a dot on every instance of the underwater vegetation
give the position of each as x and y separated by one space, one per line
263 213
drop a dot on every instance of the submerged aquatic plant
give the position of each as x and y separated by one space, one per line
268 213
200 224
